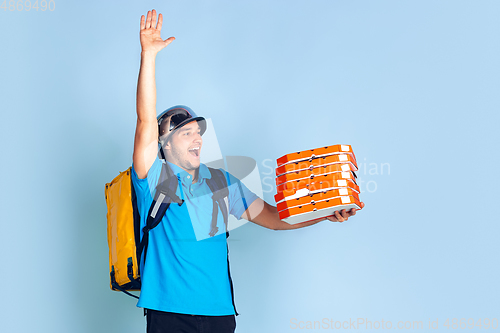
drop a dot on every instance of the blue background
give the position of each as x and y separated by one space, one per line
411 85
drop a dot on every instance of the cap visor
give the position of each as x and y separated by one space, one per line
201 122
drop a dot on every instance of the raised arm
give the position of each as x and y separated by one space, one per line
146 132
265 215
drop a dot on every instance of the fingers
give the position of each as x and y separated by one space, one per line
352 211
331 218
169 40
148 20
160 22
153 19
339 216
343 215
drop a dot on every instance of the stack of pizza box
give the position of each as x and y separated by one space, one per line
313 184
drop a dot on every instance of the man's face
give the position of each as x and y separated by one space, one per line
184 147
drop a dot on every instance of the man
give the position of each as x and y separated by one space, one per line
186 285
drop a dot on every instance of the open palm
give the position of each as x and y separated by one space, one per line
150 33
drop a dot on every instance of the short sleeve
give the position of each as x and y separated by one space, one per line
147 186
240 197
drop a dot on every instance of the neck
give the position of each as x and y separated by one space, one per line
192 172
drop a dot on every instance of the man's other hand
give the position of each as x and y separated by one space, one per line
150 33
343 215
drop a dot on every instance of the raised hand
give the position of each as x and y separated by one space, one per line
150 33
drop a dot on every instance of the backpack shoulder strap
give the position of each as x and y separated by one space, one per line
164 196
218 185
165 192
218 182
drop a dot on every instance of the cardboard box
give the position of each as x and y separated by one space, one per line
316 198
319 210
314 153
314 184
315 172
317 162
296 193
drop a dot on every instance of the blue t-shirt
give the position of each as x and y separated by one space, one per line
186 271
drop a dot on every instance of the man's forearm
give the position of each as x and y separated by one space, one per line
146 133
146 88
265 215
281 225
287 226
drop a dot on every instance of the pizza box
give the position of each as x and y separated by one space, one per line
314 153
294 193
316 198
318 210
312 173
316 183
317 162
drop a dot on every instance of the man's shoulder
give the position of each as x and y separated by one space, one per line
206 171
151 180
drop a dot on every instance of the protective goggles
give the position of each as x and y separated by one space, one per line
176 117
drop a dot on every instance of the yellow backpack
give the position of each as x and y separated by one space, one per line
124 235
122 238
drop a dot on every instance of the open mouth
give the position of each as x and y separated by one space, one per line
195 151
